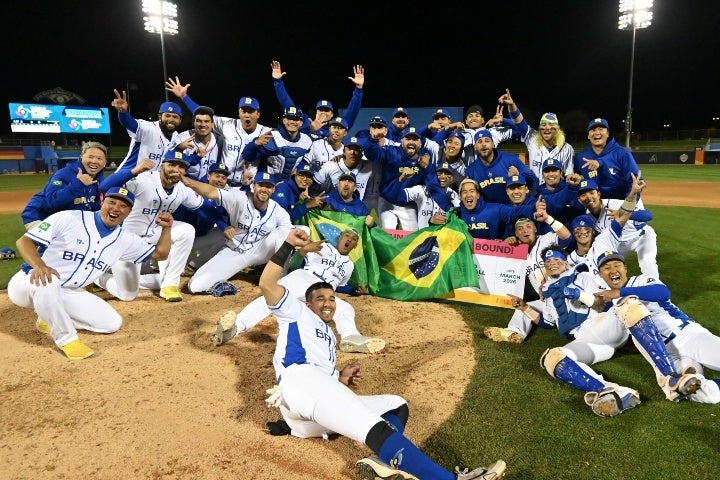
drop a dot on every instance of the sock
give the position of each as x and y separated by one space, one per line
399 452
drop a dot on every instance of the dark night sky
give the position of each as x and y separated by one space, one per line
553 56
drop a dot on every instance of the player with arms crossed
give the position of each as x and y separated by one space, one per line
314 397
78 247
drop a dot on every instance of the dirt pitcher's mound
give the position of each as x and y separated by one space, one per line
158 401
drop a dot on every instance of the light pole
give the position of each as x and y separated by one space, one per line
634 15
160 18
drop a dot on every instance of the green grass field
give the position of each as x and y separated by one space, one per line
514 410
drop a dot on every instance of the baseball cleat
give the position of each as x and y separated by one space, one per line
41 326
171 294
612 401
683 384
76 350
225 329
361 344
497 334
372 468
493 472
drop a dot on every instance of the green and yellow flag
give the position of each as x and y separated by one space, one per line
425 264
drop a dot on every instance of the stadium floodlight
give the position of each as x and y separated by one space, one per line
634 15
160 18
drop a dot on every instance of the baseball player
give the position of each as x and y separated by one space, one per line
236 133
203 147
606 162
324 109
330 147
528 309
260 226
155 192
316 399
689 344
278 151
329 264
491 167
637 235
294 194
74 187
546 143
78 246
572 307
150 140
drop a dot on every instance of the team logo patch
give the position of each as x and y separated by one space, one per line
424 258
57 183
43 226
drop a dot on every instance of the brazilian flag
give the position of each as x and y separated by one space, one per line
425 264
328 225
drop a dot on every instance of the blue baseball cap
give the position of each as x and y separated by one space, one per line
122 194
582 221
348 176
515 180
598 122
304 168
249 102
400 112
482 133
378 120
219 167
352 142
176 156
444 166
170 107
608 255
551 163
293 112
457 134
339 121
587 184
265 177
324 104
411 131
440 113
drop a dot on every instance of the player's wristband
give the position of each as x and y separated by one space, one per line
628 206
515 114
282 255
554 224
531 313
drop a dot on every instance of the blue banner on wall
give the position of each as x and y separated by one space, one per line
40 118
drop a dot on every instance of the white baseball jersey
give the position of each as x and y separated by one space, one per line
81 248
234 140
367 177
251 225
148 142
329 265
537 154
536 266
199 171
426 206
632 229
606 240
303 337
151 199
321 152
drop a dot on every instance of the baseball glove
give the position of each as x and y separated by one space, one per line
223 288
7 253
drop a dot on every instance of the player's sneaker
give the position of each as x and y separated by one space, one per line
76 350
171 294
225 330
680 385
361 344
497 334
612 401
372 468
493 472
41 326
